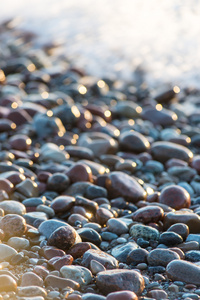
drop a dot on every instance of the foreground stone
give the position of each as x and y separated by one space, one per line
118 280
179 270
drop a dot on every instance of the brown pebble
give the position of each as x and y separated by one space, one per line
158 294
61 283
13 225
79 249
175 196
148 214
58 262
122 295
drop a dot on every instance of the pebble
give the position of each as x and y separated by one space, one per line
181 229
119 184
117 226
96 267
175 197
180 270
13 207
18 243
148 214
121 252
132 141
122 295
189 218
77 273
170 239
31 291
137 256
64 237
47 227
118 280
54 281
161 257
145 232
158 294
30 278
13 225
108 261
7 284
89 235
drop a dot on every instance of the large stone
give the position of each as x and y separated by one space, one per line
175 196
119 280
47 227
163 151
120 184
179 270
192 220
7 284
133 141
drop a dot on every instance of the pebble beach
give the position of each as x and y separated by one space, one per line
99 180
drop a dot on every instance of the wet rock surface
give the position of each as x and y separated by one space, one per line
99 183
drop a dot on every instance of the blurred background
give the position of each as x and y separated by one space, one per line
114 37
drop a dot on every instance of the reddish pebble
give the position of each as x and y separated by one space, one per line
49 251
148 214
62 204
103 215
80 172
58 262
122 295
79 249
6 185
158 294
20 142
175 196
196 163
13 225
19 117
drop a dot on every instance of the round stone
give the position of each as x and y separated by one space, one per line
121 252
79 249
103 215
191 219
64 237
119 280
32 291
117 226
30 278
47 227
18 243
7 284
161 257
80 172
181 229
175 197
6 252
58 182
89 235
13 225
137 256
132 141
20 142
62 203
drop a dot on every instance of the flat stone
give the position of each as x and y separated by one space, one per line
62 203
108 261
89 235
145 232
161 257
31 291
163 151
192 220
30 278
119 184
60 283
13 207
18 243
179 270
77 273
58 262
28 188
132 141
119 280
117 226
96 267
122 295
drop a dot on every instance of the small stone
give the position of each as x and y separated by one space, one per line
117 226
121 252
170 239
77 273
13 207
62 204
79 249
191 219
96 267
137 256
122 295
103 215
89 235
119 280
58 262
80 172
181 229
108 261
158 294
30 278
148 214
132 141
58 182
46 228
28 188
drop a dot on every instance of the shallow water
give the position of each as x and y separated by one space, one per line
114 37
